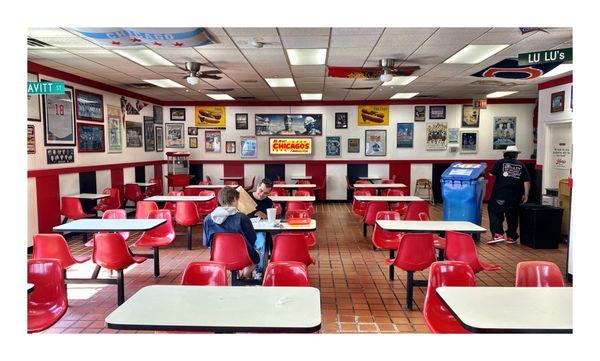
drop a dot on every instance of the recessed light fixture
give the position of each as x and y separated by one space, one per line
145 57
403 95
311 96
474 54
220 96
562 68
280 82
307 56
400 80
164 83
501 94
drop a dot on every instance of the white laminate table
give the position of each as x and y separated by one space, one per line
180 198
220 309
430 226
145 184
109 225
264 226
206 186
380 185
301 177
93 196
292 186
292 198
511 309
232 178
370 179
389 199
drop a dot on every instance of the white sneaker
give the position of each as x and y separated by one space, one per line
497 239
510 240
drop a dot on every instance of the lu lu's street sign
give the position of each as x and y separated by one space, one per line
45 87
546 56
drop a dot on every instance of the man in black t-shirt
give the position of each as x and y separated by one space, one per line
511 188
261 197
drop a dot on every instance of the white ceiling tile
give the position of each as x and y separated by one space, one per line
303 31
245 42
49 33
356 31
455 36
347 57
309 71
305 42
353 41
252 32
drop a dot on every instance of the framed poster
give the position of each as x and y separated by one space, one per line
437 112
33 102
177 114
420 113
288 124
470 116
158 132
59 118
241 121
375 142
192 131
571 98
210 117
404 135
58 156
341 120
90 138
505 132
212 141
248 147
193 142
468 141
149 137
452 135
114 129
230 147
174 135
157 114
373 115
333 146
133 132
557 102
89 106
131 108
30 139
436 136
290 146
353 145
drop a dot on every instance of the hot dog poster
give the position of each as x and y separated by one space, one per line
373 115
210 117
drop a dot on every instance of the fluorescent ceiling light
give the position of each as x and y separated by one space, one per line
400 80
474 54
311 96
403 95
220 96
280 82
145 57
307 56
164 83
500 94
562 68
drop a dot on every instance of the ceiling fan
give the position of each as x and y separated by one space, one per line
194 73
385 72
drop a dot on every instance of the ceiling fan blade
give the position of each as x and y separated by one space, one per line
210 72
208 76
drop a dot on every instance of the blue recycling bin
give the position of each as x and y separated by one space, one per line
463 189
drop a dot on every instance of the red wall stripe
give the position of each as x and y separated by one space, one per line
366 161
555 82
318 171
56 171
233 169
48 202
402 171
158 171
117 178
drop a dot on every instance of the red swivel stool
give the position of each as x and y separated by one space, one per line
371 212
133 193
48 301
186 214
387 240
143 209
230 250
538 274
156 189
160 236
414 209
205 273
461 247
290 246
112 202
71 208
360 208
54 246
286 274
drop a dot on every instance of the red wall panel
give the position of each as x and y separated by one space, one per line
318 171
233 169
401 168
116 178
48 203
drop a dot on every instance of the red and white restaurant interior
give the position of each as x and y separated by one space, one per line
321 180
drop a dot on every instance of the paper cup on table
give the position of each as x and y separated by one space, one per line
271 215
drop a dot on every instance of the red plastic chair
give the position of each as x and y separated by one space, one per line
112 202
297 206
156 189
121 196
278 182
48 301
133 193
371 213
143 209
208 179
251 185
360 208
191 191
387 240
415 253
112 214
393 178
461 247
320 187
278 208
52 245
310 238
160 236
204 183
538 274
278 192
171 205
414 208
303 181
438 242
230 250
290 247
205 208
400 207
385 191
309 205
286 274
178 180
71 208
449 273
232 183
111 252
204 274
186 214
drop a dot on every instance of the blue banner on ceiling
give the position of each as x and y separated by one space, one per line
510 69
160 37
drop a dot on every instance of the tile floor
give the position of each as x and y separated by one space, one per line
356 295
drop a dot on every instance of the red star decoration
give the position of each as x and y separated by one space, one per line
136 40
114 42
178 44
158 43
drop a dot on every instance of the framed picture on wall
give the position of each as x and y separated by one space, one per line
177 114
505 132
30 139
333 146
230 147
133 134
436 136
557 102
174 135
89 106
193 142
375 142
157 114
149 137
437 112
288 124
59 156
470 116
59 118
212 141
353 145
158 132
33 102
241 121
90 138
341 120
404 135
114 129
420 113
468 141
452 135
248 147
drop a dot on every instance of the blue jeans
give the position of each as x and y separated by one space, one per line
259 245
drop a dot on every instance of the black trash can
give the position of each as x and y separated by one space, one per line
540 225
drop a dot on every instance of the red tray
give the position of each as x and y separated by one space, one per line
298 221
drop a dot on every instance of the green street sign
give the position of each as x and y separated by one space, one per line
45 87
546 56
